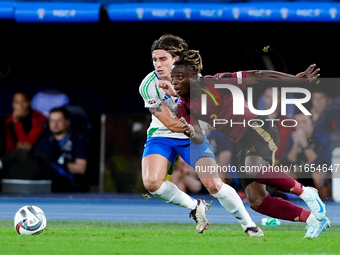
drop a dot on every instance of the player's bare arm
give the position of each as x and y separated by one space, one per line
194 132
156 109
309 75
163 113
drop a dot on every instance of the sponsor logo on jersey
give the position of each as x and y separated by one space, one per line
152 101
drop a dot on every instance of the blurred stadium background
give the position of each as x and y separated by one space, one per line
98 52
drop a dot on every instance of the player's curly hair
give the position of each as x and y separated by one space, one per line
191 58
175 45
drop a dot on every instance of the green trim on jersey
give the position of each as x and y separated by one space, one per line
151 131
157 91
145 87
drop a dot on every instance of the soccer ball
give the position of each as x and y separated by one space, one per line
29 220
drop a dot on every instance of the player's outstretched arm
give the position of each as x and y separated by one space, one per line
255 76
163 113
310 74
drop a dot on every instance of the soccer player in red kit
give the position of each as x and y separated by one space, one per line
257 142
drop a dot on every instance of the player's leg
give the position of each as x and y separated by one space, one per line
202 156
259 148
158 158
279 208
154 171
262 202
283 182
276 207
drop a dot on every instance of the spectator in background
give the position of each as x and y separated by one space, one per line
24 126
66 152
309 149
325 111
23 129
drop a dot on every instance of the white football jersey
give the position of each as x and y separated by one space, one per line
153 97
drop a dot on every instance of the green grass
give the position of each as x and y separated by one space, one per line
83 237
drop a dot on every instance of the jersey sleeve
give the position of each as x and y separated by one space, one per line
149 92
183 112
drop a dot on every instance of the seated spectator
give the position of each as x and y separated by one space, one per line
66 152
325 110
23 129
183 178
309 149
24 126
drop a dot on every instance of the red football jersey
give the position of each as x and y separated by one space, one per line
219 106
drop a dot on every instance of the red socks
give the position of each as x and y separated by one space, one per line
280 181
279 208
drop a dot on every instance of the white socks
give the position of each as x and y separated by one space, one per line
310 218
232 202
173 195
227 196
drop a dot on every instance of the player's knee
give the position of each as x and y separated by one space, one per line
213 187
152 184
255 202
256 193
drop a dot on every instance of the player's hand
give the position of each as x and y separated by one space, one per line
167 87
188 130
310 74
210 127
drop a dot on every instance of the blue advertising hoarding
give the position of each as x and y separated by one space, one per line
205 12
7 9
57 12
242 12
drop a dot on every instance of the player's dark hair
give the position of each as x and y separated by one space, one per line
191 58
63 110
170 43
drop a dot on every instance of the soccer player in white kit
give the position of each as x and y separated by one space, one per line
165 141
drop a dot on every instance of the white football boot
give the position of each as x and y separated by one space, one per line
314 202
316 227
199 215
254 231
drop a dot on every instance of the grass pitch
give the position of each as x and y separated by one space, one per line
72 238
